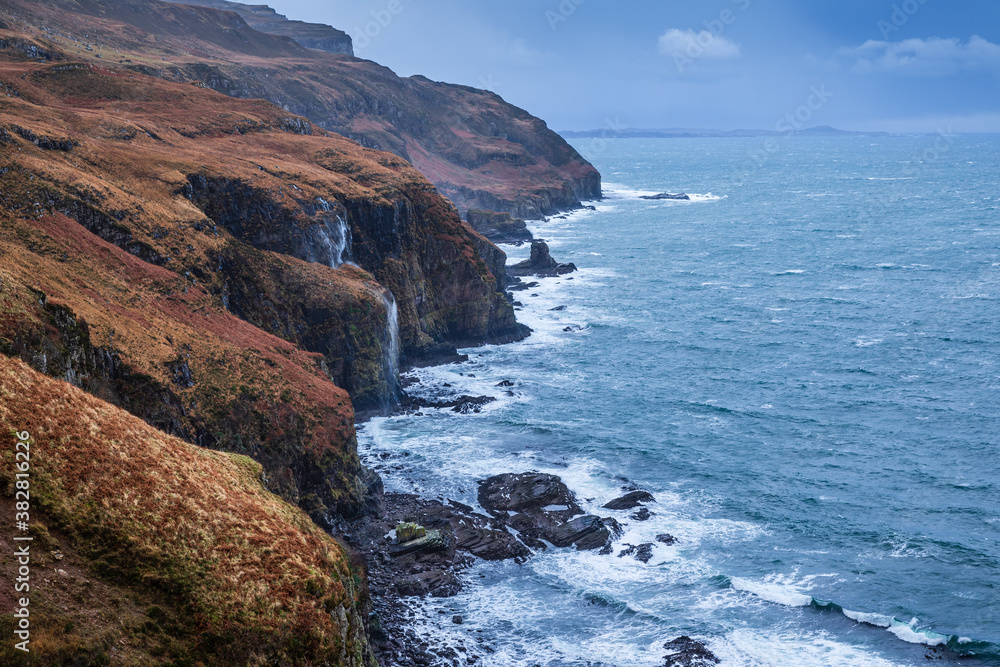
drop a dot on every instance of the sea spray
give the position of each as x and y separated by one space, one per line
390 351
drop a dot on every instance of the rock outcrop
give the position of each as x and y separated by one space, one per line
266 20
540 264
630 500
499 227
687 652
667 195
540 507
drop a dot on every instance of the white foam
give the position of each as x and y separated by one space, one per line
878 620
909 633
746 648
773 591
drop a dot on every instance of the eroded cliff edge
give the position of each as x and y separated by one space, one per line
480 151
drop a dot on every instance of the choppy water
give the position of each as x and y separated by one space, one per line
802 367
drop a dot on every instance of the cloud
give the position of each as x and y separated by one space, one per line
934 57
704 55
696 45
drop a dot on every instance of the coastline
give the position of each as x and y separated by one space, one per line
402 627
426 622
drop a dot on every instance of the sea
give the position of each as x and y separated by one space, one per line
801 363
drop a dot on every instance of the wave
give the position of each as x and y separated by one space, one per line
618 191
788 595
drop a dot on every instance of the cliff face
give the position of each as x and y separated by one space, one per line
182 246
266 20
166 552
480 151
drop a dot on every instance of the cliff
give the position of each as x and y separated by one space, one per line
480 151
147 550
266 20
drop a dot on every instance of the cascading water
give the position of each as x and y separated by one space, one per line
330 241
390 351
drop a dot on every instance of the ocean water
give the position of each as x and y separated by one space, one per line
802 364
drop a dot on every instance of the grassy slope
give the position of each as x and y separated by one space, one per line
479 150
201 562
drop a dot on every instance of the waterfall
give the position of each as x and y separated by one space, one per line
330 240
390 350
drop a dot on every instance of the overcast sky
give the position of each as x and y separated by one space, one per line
894 65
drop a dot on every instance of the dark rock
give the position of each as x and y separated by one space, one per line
505 383
687 652
558 308
641 514
641 552
540 507
669 540
436 583
668 195
540 263
462 404
630 500
525 492
456 619
498 227
586 532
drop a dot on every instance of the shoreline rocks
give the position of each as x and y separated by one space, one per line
667 195
540 264
687 652
540 507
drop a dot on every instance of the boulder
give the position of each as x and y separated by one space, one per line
630 500
641 552
666 538
641 514
525 492
687 652
540 507
407 531
585 532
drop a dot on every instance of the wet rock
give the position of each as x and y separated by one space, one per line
585 532
456 619
505 383
540 507
641 552
630 500
668 195
540 263
436 583
687 652
667 539
525 492
558 308
641 514
461 404
434 540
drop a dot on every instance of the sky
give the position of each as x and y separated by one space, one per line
871 65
